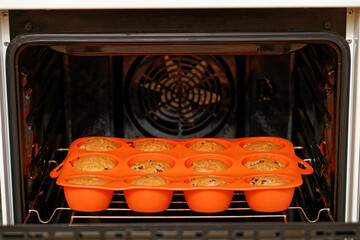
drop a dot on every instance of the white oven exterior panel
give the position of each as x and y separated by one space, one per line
141 4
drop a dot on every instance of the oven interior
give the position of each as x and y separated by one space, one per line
68 91
131 82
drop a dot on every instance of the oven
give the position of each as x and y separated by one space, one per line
179 74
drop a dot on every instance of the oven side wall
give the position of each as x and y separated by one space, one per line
5 160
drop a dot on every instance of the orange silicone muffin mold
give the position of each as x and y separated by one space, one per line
180 158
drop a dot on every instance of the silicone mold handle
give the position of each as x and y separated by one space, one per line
57 171
308 169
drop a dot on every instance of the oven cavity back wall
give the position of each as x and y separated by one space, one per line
180 96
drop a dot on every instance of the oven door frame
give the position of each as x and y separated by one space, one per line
353 179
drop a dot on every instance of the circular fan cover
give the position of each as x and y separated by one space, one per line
179 96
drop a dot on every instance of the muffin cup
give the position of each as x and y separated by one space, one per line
208 201
148 200
88 199
271 200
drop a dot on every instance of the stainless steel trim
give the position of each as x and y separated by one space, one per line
353 167
5 158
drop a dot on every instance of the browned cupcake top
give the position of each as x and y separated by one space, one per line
89 180
152 145
268 180
94 163
207 181
151 166
150 180
99 144
207 146
265 164
262 146
208 165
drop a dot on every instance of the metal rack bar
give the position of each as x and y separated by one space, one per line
176 217
318 215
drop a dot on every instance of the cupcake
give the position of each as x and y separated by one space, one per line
88 180
262 146
150 180
152 145
99 144
151 166
265 164
207 181
208 165
94 163
268 180
207 146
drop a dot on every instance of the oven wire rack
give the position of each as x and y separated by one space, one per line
123 213
118 210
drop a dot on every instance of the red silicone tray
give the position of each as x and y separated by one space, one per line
202 199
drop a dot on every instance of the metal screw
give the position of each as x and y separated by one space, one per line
28 26
349 41
6 44
327 24
350 11
5 14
